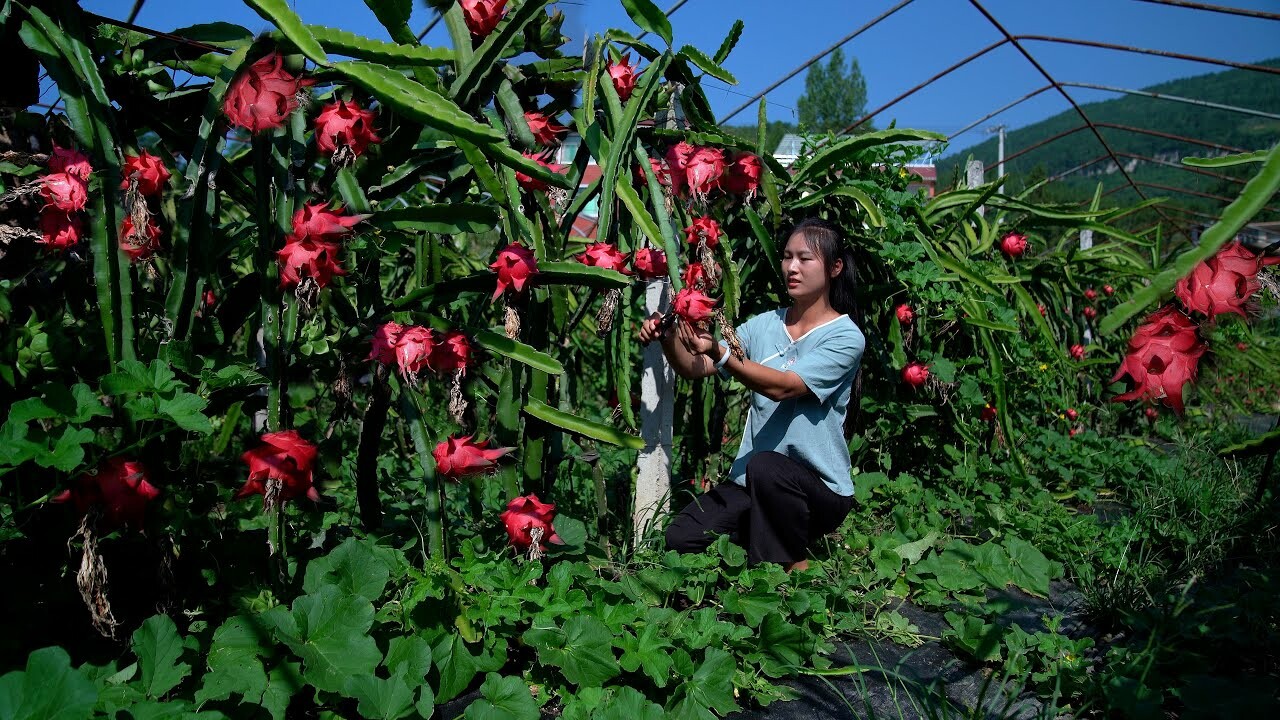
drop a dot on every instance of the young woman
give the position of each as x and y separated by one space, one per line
790 483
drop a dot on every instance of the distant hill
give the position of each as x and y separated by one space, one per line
1240 88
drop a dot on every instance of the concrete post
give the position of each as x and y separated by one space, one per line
973 174
1086 242
657 399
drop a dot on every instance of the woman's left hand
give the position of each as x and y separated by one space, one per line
697 340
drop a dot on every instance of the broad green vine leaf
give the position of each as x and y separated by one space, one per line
582 650
503 698
410 655
159 648
233 661
381 699
649 17
330 632
1029 568
279 13
710 688
49 689
455 667
352 568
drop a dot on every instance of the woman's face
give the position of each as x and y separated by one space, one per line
803 270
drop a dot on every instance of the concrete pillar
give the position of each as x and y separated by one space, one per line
657 398
973 174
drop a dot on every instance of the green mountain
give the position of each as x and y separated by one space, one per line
1241 88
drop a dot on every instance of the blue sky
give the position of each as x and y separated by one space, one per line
916 42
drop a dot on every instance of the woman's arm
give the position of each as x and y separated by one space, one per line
777 385
687 364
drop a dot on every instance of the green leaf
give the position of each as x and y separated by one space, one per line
582 650
49 689
443 218
1252 199
628 703
1256 156
184 409
913 551
649 17
342 42
707 65
784 641
409 655
233 663
730 41
159 648
330 632
279 12
381 699
581 426
837 152
455 667
503 698
711 687
283 682
518 351
68 452
1030 568
132 376
648 649
417 101
352 568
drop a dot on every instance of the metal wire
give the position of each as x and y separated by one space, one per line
874 21
1243 12
670 11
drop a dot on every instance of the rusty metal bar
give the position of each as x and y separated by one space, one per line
1195 213
1067 96
1171 136
930 81
1148 51
1078 168
815 59
1197 193
1243 12
1175 98
994 113
1041 143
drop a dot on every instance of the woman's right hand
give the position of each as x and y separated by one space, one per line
649 328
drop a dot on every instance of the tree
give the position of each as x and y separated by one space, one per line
834 98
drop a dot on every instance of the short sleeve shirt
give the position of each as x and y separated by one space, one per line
809 428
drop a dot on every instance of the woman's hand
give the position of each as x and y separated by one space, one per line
697 341
649 330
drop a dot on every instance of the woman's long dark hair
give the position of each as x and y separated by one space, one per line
825 240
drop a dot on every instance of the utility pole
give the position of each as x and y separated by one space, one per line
999 153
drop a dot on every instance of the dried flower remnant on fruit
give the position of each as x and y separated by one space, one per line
139 245
730 335
345 125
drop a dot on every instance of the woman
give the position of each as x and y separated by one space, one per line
790 483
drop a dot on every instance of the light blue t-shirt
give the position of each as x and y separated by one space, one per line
810 428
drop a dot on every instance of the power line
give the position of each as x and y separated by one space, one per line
671 10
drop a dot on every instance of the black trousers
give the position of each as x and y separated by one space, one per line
784 507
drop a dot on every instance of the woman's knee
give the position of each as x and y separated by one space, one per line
685 539
763 469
